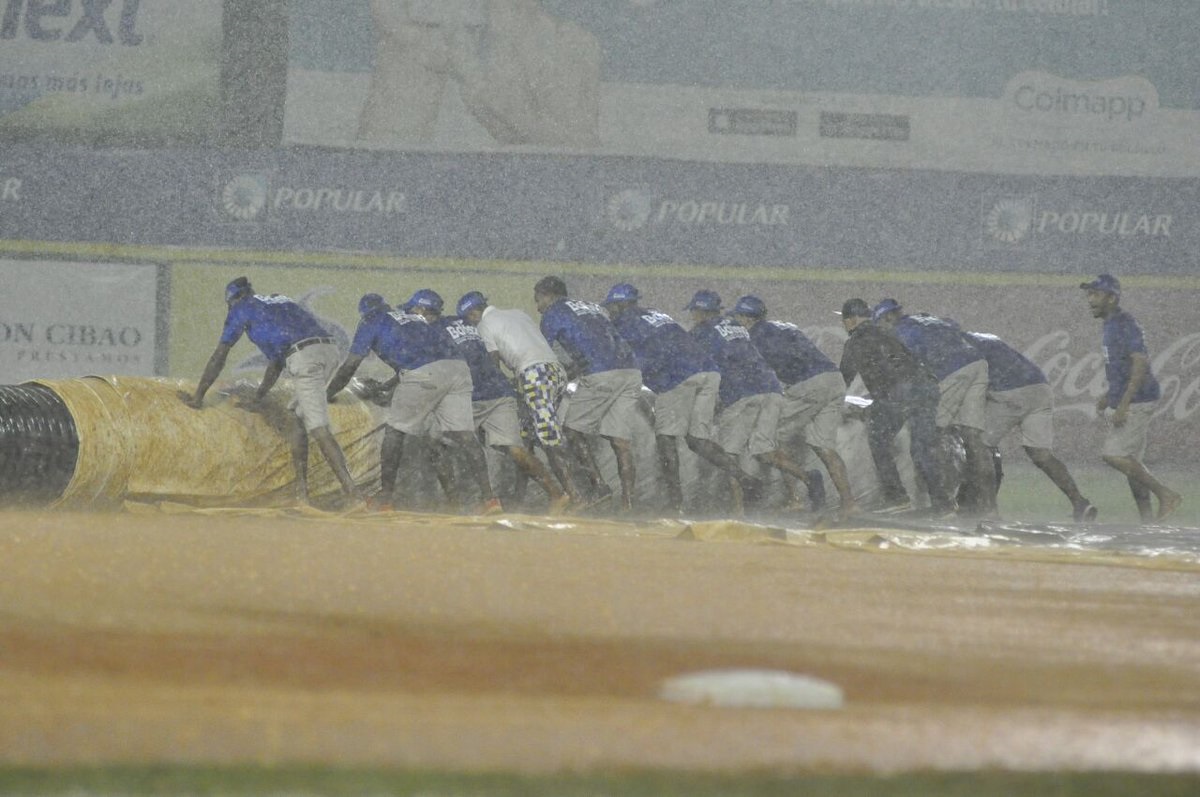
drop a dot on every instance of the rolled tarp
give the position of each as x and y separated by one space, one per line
135 440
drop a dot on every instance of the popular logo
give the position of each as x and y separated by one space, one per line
244 197
1009 220
634 208
630 209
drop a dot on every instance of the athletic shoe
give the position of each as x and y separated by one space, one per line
492 506
816 491
1084 511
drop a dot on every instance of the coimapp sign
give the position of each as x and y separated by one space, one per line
1083 87
61 319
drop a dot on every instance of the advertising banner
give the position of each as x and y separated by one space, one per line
1071 87
60 319
601 210
118 72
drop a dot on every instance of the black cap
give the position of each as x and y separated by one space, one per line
856 308
554 286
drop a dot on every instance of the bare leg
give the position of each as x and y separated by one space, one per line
390 452
581 451
476 461
981 472
560 463
336 458
623 450
841 480
1057 472
1140 481
530 466
668 462
298 438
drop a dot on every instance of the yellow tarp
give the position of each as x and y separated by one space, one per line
138 440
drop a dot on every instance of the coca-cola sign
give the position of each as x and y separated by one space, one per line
1078 380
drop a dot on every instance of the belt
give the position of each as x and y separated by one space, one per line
304 344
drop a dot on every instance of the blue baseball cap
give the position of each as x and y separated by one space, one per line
704 300
371 302
1105 282
621 292
751 306
426 298
883 308
238 287
470 301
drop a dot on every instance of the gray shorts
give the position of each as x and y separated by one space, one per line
604 403
689 407
433 398
498 420
750 425
310 370
1031 408
964 397
1129 440
812 410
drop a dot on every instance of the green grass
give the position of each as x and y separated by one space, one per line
332 781
1027 495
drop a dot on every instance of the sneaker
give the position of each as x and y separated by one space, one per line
1084 511
816 491
492 506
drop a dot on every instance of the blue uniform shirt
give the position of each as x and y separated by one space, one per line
939 344
403 341
665 352
273 323
1123 337
584 332
789 352
489 381
744 372
1008 369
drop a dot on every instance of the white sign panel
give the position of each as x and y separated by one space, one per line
74 319
116 72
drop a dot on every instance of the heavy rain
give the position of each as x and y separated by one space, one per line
496 354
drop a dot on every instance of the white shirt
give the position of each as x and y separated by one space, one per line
516 337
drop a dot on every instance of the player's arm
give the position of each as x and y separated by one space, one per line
216 363
1139 366
343 376
270 377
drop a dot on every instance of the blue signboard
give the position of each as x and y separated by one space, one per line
600 210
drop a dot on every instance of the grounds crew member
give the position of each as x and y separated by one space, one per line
813 390
608 383
750 394
685 380
961 371
1132 393
903 390
513 339
292 340
1019 396
493 400
432 393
